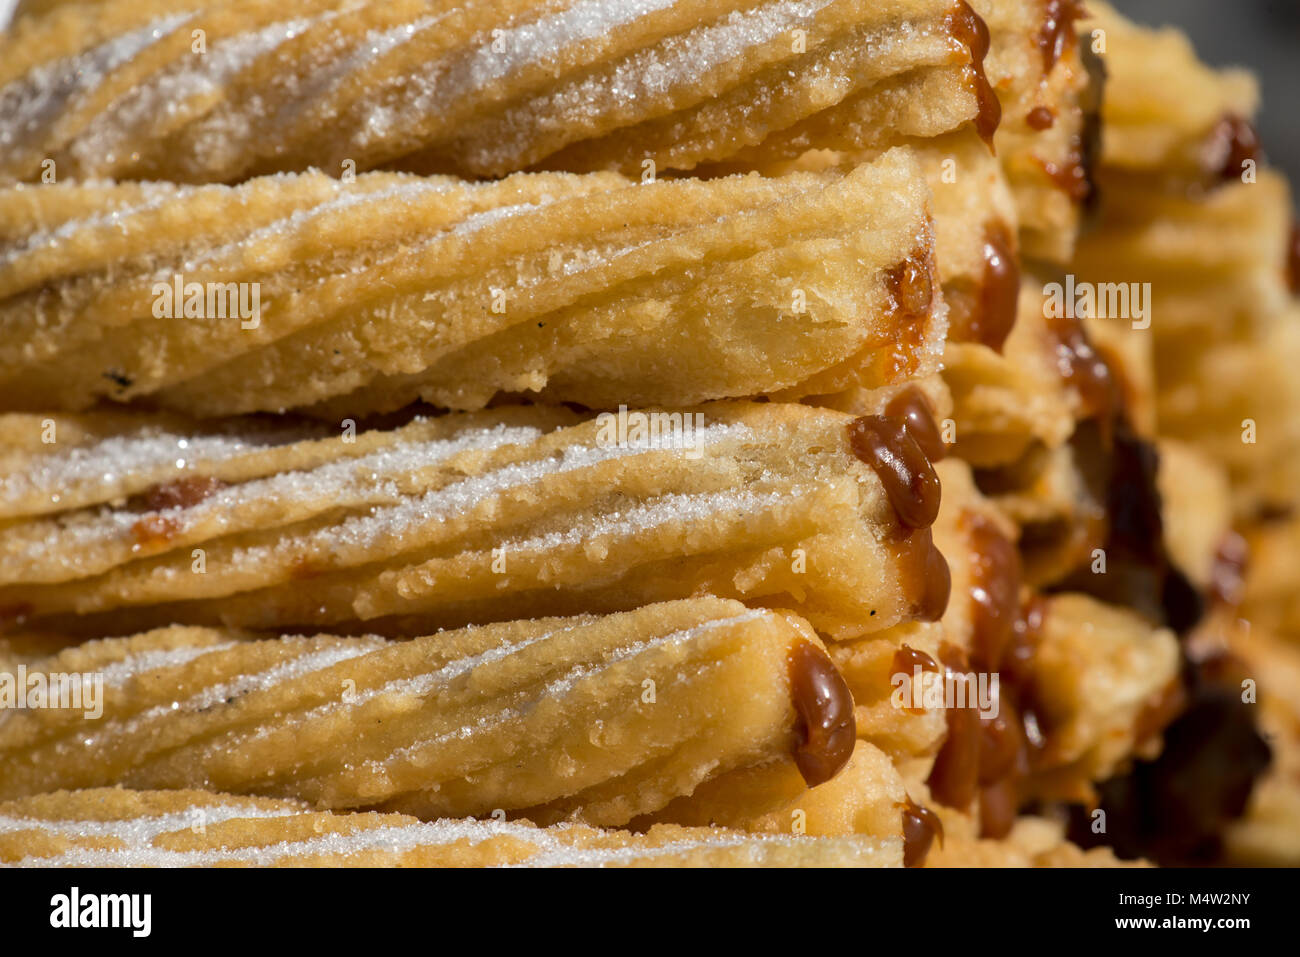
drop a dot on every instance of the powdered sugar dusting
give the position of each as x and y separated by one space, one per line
680 62
30 103
359 535
245 684
563 845
674 507
194 76
105 539
398 837
108 463
143 830
119 672
348 196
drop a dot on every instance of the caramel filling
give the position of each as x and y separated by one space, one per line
1236 140
999 294
920 827
1083 368
826 726
182 493
911 290
990 758
1057 34
1040 118
969 29
905 662
912 408
897 458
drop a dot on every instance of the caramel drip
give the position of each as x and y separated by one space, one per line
181 493
969 28
910 285
1237 140
823 703
911 288
999 805
990 757
938 586
1002 742
896 457
999 292
1083 368
912 408
1057 34
926 579
907 659
1040 118
954 779
920 827
995 591
155 530
905 662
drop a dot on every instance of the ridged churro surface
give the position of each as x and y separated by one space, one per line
111 827
353 297
477 89
597 719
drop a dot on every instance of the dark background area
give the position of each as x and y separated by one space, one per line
1262 35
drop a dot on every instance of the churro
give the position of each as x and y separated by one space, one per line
113 827
465 519
482 89
301 291
603 719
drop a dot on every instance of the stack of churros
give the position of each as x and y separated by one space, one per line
604 433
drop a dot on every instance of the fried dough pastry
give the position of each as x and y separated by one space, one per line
1098 673
1016 402
1268 834
466 519
606 718
975 228
864 798
372 294
1271 599
478 89
1189 209
1076 688
1032 842
1171 121
1049 97
113 827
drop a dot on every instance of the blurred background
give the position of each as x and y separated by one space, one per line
1263 35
